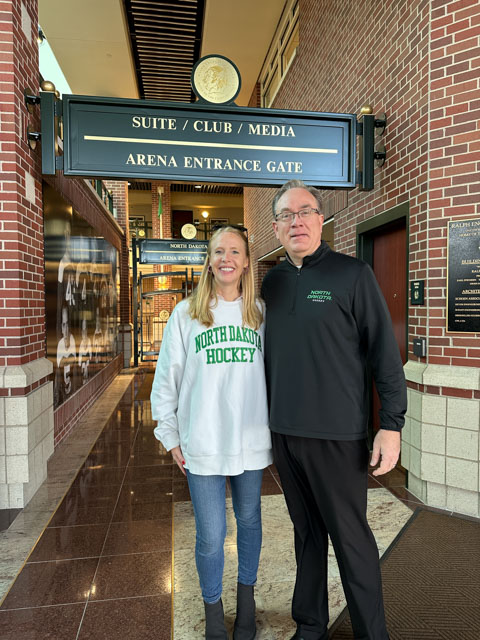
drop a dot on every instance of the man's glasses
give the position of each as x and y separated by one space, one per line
240 227
289 216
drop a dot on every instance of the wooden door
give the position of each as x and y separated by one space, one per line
389 252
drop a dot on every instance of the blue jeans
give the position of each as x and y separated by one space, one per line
208 499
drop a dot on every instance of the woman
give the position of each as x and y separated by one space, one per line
209 399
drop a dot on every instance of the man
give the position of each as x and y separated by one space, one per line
326 321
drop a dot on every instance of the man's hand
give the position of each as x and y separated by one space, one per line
179 459
386 449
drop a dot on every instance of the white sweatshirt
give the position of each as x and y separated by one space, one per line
209 393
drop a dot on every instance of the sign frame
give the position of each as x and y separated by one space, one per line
220 113
169 251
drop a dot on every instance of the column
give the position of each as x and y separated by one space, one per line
441 439
26 391
120 202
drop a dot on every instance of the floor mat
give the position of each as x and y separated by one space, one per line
276 577
430 581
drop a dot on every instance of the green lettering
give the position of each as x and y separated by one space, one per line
252 353
232 332
244 355
215 331
198 344
204 339
209 337
245 334
259 343
239 334
219 354
223 334
235 351
225 355
210 356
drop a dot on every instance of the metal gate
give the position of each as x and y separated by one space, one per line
152 317
152 302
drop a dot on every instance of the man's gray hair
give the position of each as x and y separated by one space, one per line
296 184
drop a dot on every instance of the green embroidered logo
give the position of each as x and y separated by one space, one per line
228 333
319 296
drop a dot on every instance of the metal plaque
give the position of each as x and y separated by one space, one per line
463 276
216 79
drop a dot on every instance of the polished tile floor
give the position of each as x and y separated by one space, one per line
93 553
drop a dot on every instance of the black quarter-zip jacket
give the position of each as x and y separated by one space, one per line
326 322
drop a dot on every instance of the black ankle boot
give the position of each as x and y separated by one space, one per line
244 628
214 621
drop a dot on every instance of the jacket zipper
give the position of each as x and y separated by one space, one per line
294 301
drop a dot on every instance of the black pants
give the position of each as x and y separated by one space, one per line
325 484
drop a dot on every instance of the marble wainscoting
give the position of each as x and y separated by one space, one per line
273 593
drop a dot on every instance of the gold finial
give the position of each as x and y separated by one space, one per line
57 94
47 86
366 110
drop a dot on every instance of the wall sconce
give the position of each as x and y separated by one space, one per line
205 214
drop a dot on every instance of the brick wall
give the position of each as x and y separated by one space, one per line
255 98
258 216
162 228
454 185
26 413
22 304
419 62
120 202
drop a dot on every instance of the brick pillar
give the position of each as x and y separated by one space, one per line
120 202
256 95
162 228
441 438
26 393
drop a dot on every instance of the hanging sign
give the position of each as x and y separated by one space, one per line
173 251
202 142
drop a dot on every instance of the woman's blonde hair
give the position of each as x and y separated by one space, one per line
199 301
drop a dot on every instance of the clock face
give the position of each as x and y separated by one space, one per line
188 231
216 79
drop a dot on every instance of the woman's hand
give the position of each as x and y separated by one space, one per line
179 459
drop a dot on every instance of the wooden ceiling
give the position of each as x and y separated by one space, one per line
165 38
226 189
